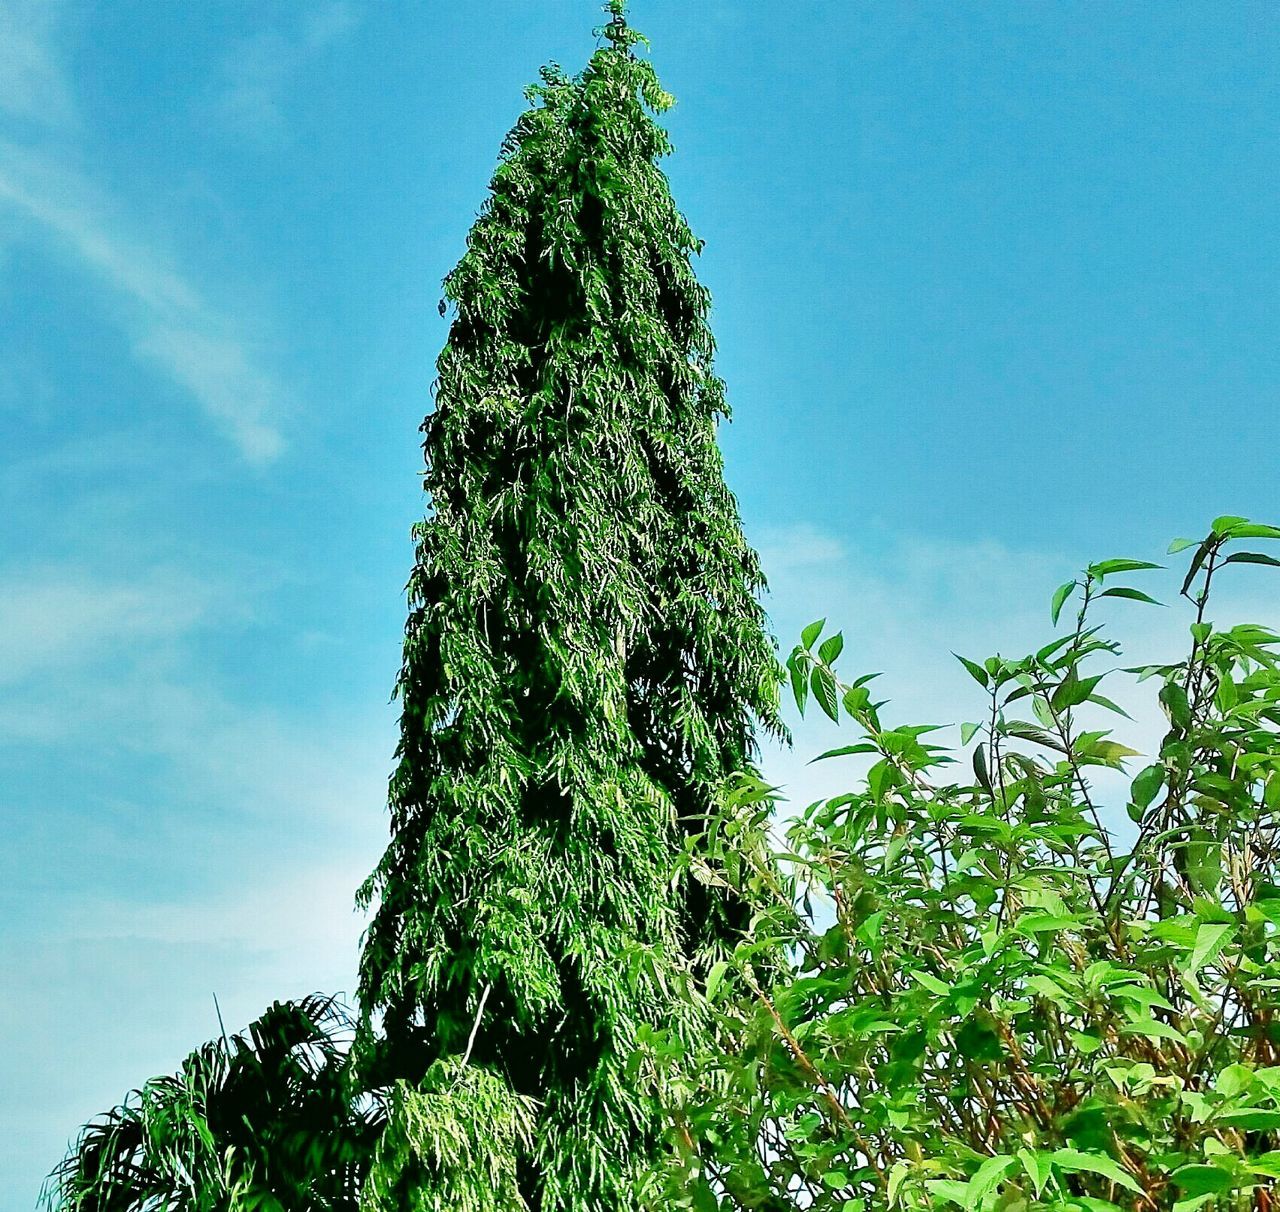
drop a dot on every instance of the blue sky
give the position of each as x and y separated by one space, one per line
996 293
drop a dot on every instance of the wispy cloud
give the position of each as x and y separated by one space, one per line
170 323
262 65
32 83
55 618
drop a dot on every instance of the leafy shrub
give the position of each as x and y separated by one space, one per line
987 993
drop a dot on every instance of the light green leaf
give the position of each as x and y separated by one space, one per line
1037 1166
985 1179
1075 1161
932 983
1106 568
1211 937
1060 597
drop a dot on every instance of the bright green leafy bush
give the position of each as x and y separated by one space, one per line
989 991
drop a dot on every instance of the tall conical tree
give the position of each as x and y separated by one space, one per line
585 661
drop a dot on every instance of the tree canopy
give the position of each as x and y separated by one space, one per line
585 657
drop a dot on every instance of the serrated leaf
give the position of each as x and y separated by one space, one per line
824 690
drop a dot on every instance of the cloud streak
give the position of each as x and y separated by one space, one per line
263 63
32 84
170 324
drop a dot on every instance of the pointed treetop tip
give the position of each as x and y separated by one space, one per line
616 31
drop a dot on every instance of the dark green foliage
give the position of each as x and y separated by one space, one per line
1003 997
266 1121
585 655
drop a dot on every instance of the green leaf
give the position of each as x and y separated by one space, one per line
1254 530
1197 561
1037 1166
986 1178
1106 568
1227 522
980 768
1060 597
1181 545
968 732
1133 595
846 751
976 671
1211 937
1073 691
1251 1119
1044 923
1252 557
1151 1028
1075 1161
831 648
1176 705
1146 785
811 633
824 690
932 983
1195 1180
799 683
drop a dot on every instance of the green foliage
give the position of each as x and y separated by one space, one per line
266 1121
986 998
451 1143
584 661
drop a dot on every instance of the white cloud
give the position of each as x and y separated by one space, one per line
197 345
52 618
261 66
32 83
171 325
217 370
